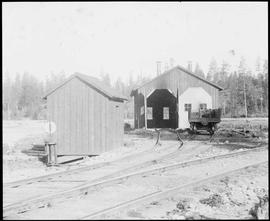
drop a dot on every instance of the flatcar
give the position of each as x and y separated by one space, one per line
205 119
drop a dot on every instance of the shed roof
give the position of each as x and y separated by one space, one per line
185 71
93 83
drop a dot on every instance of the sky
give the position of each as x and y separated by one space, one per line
126 38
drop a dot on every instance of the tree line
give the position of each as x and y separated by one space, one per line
22 97
245 91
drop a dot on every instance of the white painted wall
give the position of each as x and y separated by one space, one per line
194 96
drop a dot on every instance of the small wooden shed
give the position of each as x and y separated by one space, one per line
88 116
164 102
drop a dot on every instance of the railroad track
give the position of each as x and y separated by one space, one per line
128 158
89 187
30 188
158 195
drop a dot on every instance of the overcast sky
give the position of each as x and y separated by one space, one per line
128 38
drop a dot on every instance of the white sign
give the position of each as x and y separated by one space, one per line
50 127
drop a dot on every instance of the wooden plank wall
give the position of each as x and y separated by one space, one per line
88 123
139 120
177 79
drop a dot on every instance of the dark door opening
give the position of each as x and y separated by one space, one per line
162 110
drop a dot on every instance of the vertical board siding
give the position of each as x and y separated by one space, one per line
99 125
76 90
55 117
60 122
72 116
68 117
112 123
91 120
104 138
117 124
102 125
106 126
175 80
85 120
88 123
96 126
75 119
66 133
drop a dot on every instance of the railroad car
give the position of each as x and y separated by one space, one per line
205 119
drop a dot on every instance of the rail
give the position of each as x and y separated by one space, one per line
161 194
86 187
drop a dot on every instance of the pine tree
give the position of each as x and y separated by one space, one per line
213 71
265 85
198 71
16 95
7 99
242 98
119 85
105 78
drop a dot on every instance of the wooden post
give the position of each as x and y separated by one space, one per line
52 156
47 152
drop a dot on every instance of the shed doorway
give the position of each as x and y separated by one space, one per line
161 109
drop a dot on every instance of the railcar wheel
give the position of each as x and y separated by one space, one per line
192 127
211 129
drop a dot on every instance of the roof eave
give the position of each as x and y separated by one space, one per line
60 85
118 99
185 70
77 75
206 81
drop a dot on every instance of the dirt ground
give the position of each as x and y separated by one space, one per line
119 192
242 195
20 135
236 197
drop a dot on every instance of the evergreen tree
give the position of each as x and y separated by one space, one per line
213 71
198 71
265 85
7 99
241 89
16 95
105 78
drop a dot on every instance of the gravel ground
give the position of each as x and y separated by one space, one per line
233 197
17 165
134 187
19 135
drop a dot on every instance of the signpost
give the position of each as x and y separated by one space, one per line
50 145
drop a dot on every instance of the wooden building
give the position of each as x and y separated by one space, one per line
88 116
165 101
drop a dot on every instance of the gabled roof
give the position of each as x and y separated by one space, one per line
184 70
94 83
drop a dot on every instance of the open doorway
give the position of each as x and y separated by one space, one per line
162 109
